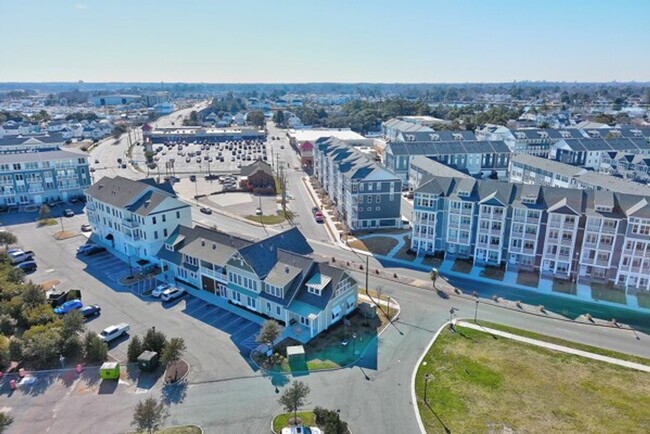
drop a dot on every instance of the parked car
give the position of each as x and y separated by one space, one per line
27 266
68 306
94 250
172 293
193 178
158 290
82 248
20 256
68 212
258 211
113 332
86 228
206 210
315 209
123 166
90 310
57 298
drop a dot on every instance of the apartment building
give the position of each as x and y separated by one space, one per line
273 277
422 167
530 169
586 235
35 170
477 158
133 217
627 166
365 193
589 152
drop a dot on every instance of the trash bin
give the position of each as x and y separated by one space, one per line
110 371
148 361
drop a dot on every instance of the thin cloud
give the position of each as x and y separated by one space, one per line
81 6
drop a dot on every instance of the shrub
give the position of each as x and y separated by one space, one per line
329 421
134 350
43 345
15 349
95 350
7 324
154 341
73 347
39 315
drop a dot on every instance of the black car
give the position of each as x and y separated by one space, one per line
90 310
206 210
94 250
27 266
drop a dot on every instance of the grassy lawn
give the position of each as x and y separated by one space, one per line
481 384
462 266
576 345
493 273
271 219
281 421
404 253
603 292
357 244
380 245
564 286
643 298
528 278
47 222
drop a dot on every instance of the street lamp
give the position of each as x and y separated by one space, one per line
451 317
427 377
476 310
354 344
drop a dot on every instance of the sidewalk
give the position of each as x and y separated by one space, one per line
568 350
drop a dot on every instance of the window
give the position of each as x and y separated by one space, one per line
153 220
165 233
278 310
178 214
155 235
164 218
313 290
378 199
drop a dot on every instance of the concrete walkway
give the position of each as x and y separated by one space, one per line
568 350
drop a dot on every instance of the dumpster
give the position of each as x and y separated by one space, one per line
148 361
110 371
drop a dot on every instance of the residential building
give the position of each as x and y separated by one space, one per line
392 128
529 169
134 218
273 277
589 152
366 194
477 158
584 235
627 166
422 167
303 140
35 170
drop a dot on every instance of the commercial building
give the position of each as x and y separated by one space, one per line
273 277
562 233
134 218
204 135
258 177
35 170
366 194
529 169
105 100
303 140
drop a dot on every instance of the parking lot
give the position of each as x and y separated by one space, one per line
218 341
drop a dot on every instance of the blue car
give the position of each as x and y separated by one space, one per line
68 306
90 310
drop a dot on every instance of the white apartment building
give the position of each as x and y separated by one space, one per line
134 218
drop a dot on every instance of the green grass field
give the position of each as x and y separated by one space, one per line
280 421
485 384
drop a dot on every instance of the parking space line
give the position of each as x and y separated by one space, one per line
196 308
207 312
225 315
232 322
241 331
193 302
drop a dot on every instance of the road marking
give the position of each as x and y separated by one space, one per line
233 322
196 309
49 270
208 312
242 330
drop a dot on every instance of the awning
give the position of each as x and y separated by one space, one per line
318 281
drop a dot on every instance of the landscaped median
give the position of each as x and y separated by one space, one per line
474 381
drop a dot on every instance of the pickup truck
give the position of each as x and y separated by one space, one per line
57 298
20 256
113 332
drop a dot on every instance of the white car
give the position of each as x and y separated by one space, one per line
114 332
172 293
158 290
84 247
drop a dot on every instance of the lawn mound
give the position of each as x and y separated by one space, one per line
176 372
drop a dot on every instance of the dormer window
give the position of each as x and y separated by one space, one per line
602 208
169 247
463 193
317 283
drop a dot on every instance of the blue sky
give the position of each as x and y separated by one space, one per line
330 40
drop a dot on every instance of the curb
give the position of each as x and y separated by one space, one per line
180 380
414 400
278 414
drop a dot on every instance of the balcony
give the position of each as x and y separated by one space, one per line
131 224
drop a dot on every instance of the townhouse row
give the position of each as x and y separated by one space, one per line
569 234
366 194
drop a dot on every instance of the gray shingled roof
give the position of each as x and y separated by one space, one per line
120 192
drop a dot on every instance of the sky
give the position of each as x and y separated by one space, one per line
295 41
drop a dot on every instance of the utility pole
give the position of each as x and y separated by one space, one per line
284 192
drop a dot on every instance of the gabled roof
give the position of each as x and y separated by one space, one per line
262 255
257 166
320 301
121 192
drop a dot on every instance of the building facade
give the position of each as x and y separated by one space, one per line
34 171
134 218
366 194
562 233
273 277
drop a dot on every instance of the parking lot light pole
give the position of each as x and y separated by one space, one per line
427 377
451 317
476 310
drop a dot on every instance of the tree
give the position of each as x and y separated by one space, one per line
7 324
154 341
72 324
269 332
256 118
434 276
278 117
72 347
7 239
33 295
43 212
330 421
39 315
5 421
95 349
43 345
173 352
134 350
294 397
4 352
149 415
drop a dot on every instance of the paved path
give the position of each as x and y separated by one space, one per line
555 347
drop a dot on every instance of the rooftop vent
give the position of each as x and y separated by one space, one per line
214 246
202 242
286 269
